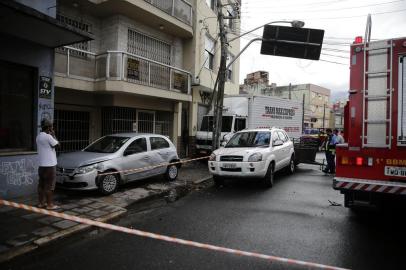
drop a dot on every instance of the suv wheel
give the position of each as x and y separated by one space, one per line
269 177
108 184
292 166
171 173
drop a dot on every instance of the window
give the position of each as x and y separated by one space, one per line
209 45
158 143
107 144
137 146
80 25
207 124
282 136
148 47
211 3
230 22
249 139
230 69
17 86
239 124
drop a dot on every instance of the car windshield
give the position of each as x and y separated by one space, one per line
249 139
108 144
207 123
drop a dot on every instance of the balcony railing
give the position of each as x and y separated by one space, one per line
179 9
122 66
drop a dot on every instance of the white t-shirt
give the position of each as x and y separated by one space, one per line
46 150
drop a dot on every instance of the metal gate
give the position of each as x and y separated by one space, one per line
145 121
118 120
72 129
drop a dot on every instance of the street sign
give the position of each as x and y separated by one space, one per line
293 42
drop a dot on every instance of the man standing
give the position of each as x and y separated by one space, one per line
330 148
46 144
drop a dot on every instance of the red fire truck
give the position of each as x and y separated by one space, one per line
371 165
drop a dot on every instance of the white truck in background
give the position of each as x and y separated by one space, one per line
251 111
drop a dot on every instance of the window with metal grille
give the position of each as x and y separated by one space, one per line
72 129
80 25
154 49
209 45
118 120
148 47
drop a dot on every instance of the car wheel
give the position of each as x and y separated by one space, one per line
108 184
292 165
171 173
218 180
270 175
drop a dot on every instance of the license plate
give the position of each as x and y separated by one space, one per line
229 165
395 171
61 178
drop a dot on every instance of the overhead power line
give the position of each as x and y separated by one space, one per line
265 8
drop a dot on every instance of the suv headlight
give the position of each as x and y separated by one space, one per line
212 157
255 157
86 169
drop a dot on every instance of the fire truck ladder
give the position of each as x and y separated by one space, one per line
377 94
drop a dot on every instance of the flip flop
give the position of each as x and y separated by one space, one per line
40 205
54 207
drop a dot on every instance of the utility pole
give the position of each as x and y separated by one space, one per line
218 105
290 91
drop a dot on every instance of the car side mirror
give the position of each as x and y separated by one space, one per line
223 144
277 143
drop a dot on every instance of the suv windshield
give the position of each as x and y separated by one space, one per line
207 123
249 139
108 144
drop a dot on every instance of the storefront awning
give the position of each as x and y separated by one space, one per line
29 24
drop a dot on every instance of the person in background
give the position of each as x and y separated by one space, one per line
46 144
329 146
339 137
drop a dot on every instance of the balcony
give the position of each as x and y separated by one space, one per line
179 9
119 66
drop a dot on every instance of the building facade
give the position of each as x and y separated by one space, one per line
316 102
27 90
130 78
150 68
204 59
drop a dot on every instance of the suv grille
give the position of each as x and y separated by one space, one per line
64 170
231 158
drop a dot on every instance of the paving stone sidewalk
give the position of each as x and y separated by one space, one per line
22 231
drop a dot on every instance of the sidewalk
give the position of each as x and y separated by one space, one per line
22 231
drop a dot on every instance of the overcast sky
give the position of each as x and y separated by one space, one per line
342 21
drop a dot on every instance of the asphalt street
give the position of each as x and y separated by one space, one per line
294 219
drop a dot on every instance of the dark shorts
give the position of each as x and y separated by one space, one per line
47 178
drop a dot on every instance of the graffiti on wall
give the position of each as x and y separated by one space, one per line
18 176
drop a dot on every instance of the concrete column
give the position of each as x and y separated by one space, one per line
177 124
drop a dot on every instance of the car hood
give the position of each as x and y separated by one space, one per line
240 151
82 158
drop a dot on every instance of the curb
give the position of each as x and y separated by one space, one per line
18 251
180 190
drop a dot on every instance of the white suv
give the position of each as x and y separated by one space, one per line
253 153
